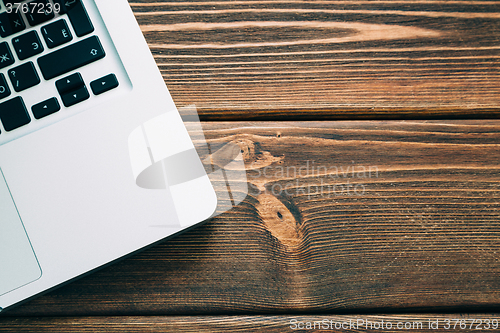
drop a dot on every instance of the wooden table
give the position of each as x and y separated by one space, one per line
369 132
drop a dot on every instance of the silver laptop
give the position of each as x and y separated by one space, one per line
95 162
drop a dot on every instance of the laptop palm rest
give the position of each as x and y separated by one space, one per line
18 264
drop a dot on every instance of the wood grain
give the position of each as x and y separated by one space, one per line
421 232
308 60
283 323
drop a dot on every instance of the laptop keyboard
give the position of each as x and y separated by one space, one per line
43 25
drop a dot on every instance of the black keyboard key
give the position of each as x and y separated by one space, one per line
24 76
27 45
64 5
45 108
39 11
10 23
78 16
4 88
6 58
71 57
75 96
69 83
56 33
104 84
13 114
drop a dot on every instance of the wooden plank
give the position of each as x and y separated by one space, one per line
282 323
340 216
328 59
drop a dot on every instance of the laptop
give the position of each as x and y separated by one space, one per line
95 162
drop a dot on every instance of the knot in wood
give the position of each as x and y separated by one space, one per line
278 219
